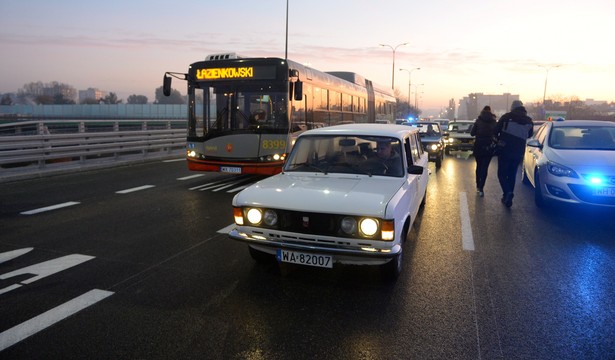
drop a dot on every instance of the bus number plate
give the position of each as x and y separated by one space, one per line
294 257
230 169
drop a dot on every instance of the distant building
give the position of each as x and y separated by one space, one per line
471 105
91 94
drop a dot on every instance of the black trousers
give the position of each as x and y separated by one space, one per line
507 172
482 169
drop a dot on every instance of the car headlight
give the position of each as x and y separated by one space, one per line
348 225
368 226
560 170
434 147
255 216
270 218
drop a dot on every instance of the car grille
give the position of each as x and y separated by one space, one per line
309 223
585 194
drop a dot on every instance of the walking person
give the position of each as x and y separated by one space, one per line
511 132
483 129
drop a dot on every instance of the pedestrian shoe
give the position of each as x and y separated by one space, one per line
480 192
507 199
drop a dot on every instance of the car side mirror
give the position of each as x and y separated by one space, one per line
415 170
534 143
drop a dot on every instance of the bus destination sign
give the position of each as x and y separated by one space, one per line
236 73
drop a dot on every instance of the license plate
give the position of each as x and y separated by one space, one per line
604 191
294 257
230 169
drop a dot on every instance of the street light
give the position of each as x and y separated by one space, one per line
409 82
547 68
393 71
416 94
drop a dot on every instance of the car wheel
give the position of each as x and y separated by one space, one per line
524 177
260 257
538 197
392 269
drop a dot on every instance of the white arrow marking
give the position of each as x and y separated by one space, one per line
47 268
10 255
30 327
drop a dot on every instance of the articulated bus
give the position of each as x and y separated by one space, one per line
244 113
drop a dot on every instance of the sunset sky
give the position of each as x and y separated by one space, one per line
487 46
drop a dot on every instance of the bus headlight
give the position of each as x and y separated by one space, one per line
191 153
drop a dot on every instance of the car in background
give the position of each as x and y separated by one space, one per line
443 123
572 161
432 139
336 202
457 137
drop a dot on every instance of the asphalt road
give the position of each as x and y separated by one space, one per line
133 263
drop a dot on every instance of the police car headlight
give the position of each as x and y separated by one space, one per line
349 225
255 216
368 226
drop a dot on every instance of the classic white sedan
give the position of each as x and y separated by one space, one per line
348 194
572 161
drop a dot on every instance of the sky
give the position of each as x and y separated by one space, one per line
461 47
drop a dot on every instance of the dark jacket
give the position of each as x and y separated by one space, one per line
483 129
512 131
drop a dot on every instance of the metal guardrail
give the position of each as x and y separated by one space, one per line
38 148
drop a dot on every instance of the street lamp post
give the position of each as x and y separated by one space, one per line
544 94
416 96
547 68
409 82
393 72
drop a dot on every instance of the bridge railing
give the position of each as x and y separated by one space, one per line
36 148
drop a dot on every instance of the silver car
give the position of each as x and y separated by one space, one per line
572 161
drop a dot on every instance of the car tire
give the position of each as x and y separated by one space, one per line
392 269
539 199
260 257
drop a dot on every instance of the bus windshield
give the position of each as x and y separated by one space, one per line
228 109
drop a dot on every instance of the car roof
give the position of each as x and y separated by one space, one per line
564 123
391 130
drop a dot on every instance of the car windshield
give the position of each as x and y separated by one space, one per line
427 129
583 137
368 155
460 127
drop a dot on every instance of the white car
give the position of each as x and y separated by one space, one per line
572 161
337 201
457 136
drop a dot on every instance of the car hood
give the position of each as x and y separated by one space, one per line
324 193
431 138
584 160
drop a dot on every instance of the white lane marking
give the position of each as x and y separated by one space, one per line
139 188
174 160
47 268
190 177
49 208
213 184
227 229
30 327
238 188
467 240
9 288
10 255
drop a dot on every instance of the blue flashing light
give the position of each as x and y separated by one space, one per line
594 179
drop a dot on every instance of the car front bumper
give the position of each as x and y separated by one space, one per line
342 250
